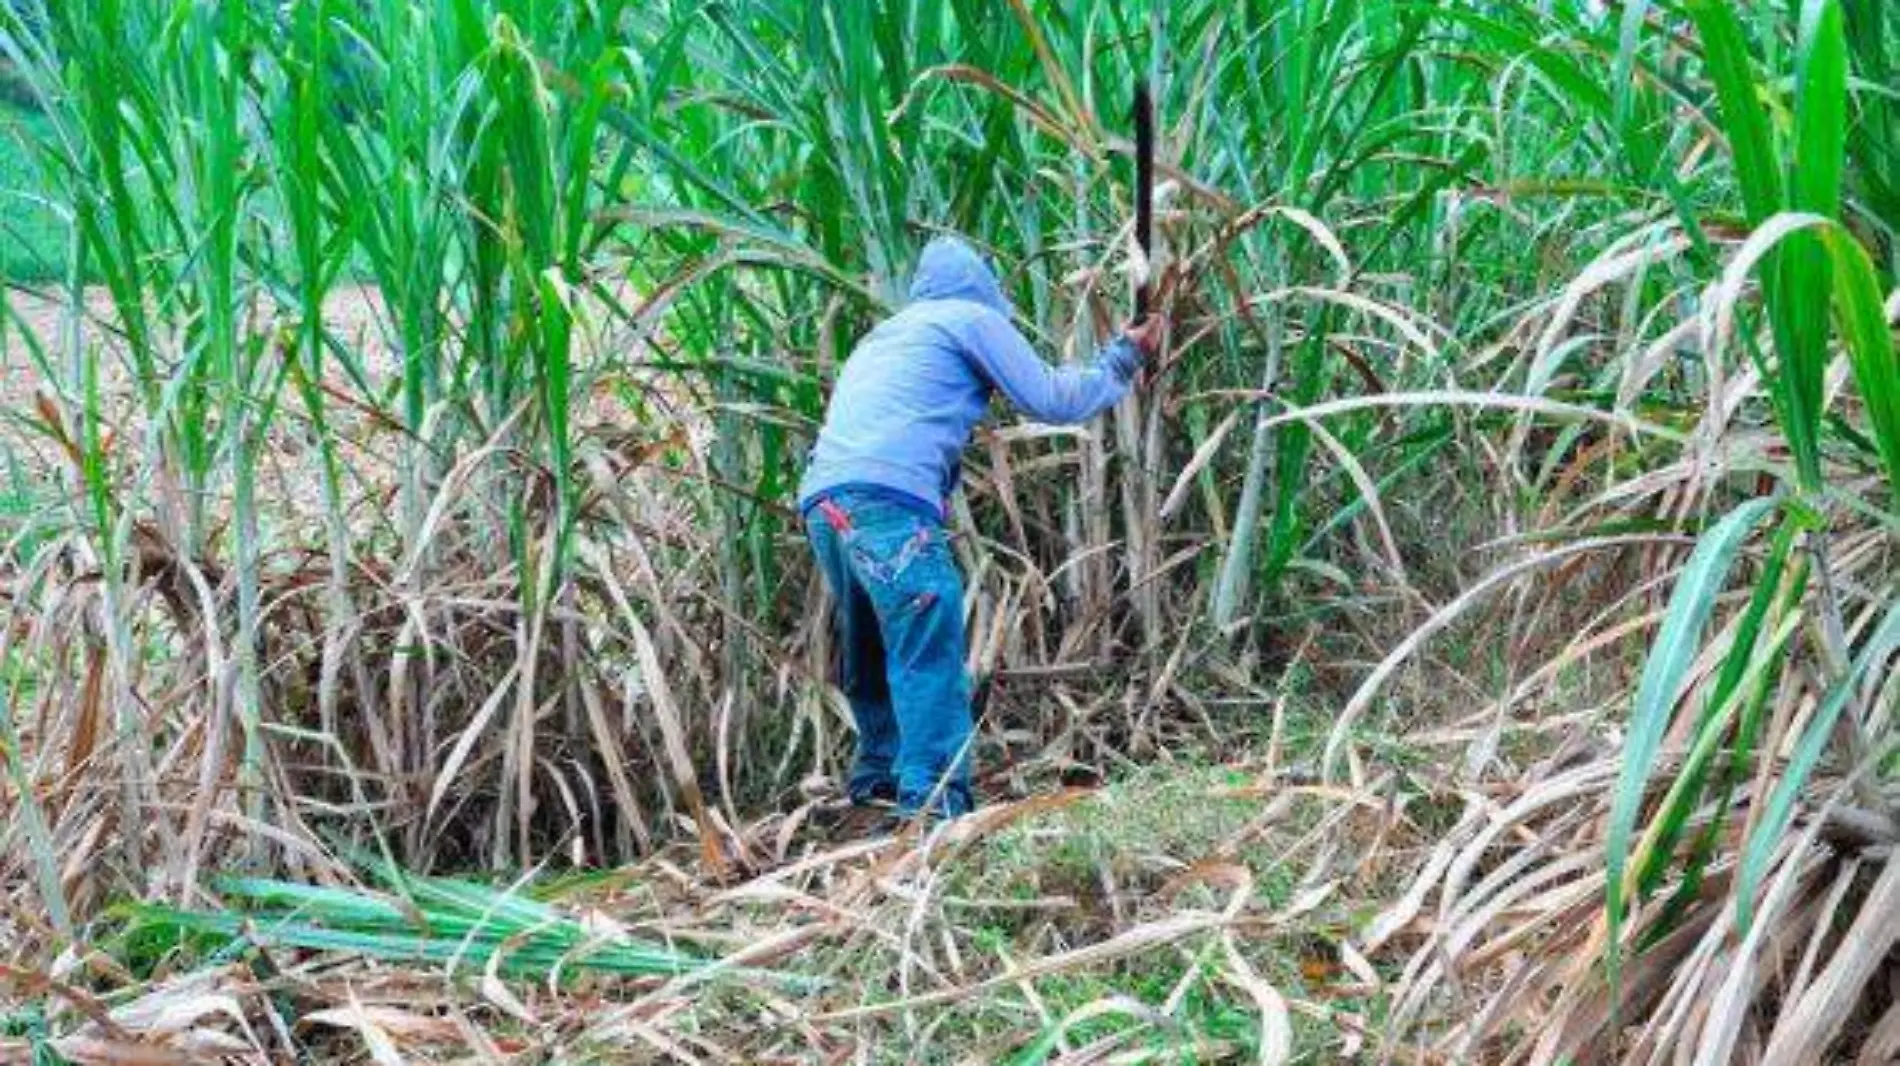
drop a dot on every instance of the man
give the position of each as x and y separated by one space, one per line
874 499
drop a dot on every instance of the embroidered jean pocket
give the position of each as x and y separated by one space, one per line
885 564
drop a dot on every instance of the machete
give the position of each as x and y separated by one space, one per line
1144 191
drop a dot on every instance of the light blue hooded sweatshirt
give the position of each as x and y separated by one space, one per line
916 385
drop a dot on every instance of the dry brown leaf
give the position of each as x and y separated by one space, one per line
1882 1046
398 1024
1817 1018
371 1023
1276 1023
496 991
103 1051
1139 938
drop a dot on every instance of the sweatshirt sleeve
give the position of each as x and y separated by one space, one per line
1055 395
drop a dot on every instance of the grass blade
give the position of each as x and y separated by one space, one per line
1761 845
1663 671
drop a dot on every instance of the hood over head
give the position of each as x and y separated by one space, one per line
950 269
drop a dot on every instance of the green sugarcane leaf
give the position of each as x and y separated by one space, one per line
1799 274
1820 109
1730 67
1770 830
1669 660
1870 346
1718 711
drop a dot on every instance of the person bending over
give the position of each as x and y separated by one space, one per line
874 497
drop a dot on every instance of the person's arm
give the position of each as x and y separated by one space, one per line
1056 395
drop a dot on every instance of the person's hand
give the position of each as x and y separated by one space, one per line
1147 333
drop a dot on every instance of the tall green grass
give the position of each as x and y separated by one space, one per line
429 478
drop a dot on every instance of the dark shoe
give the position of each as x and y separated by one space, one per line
856 821
949 804
883 793
854 816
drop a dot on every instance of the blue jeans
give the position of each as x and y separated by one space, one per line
899 610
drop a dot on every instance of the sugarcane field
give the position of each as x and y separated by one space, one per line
862 532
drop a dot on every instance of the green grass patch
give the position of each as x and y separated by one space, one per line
1084 873
1141 830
